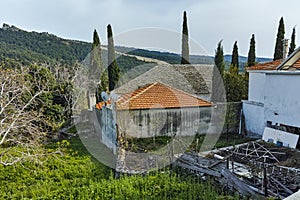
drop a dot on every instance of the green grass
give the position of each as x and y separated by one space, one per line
147 144
231 139
223 140
77 175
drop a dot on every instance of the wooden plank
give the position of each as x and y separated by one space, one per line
198 169
261 151
240 185
218 162
281 185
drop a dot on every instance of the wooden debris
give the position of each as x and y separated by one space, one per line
281 185
238 184
247 177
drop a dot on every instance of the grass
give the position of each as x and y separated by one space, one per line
147 144
223 140
77 175
232 139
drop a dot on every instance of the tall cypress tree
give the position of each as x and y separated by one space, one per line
235 56
251 53
219 58
185 56
96 70
218 94
293 42
278 53
113 69
96 65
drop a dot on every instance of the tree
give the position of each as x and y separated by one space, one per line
235 56
185 56
219 58
49 105
27 112
278 53
235 85
218 72
251 53
96 66
293 43
113 69
97 75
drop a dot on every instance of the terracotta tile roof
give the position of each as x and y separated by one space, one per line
296 65
158 95
266 66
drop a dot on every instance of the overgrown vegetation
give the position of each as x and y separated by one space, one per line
75 174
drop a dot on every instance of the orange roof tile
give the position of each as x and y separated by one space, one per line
158 95
296 64
266 66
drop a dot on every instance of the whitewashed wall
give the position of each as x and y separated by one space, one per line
282 98
273 96
256 86
254 117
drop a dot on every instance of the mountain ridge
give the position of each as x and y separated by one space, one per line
19 44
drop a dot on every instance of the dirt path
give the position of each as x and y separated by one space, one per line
159 62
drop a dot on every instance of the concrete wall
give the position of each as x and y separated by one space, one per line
282 99
164 122
254 117
273 96
256 87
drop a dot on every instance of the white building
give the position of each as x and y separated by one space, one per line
274 96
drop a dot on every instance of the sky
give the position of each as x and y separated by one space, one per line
209 21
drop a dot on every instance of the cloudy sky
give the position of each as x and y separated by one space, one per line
209 21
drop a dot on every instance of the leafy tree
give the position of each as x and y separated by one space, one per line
293 43
218 72
278 54
251 53
235 85
28 113
235 56
113 69
185 56
41 79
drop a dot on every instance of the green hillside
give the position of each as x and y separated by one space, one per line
18 46
27 47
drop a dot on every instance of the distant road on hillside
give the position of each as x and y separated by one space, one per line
159 62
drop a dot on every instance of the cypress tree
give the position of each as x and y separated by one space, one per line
113 69
251 53
293 43
219 58
96 70
278 54
235 56
96 40
185 56
218 94
96 66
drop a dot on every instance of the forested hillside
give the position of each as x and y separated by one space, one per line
28 47
174 58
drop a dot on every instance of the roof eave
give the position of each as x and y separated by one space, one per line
288 59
